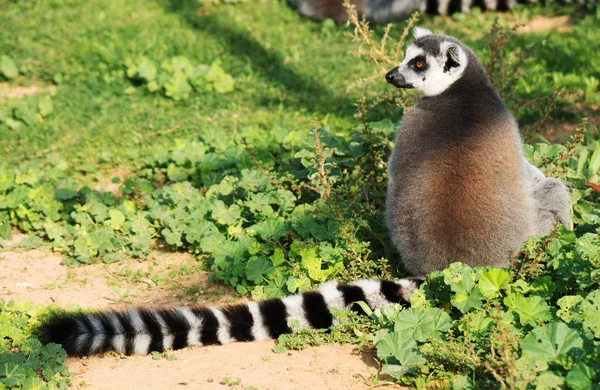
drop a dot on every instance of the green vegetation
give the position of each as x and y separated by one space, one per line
24 362
248 141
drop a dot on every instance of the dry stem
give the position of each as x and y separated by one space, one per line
376 52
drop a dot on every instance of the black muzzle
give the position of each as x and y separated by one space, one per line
396 79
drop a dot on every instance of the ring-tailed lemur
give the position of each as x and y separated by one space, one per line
142 331
460 188
384 11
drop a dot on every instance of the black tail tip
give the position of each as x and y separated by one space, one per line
62 329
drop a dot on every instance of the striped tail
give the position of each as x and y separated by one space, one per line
141 331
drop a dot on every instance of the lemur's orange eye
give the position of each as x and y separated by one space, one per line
419 64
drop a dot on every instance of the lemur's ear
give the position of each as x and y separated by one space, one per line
419 32
452 55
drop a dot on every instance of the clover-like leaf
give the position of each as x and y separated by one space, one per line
400 353
531 310
8 67
226 215
590 312
220 81
551 341
492 282
568 307
258 268
420 323
117 219
582 377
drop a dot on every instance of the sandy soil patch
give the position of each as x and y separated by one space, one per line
38 276
543 23
106 184
324 367
8 91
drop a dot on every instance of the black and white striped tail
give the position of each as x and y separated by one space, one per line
140 331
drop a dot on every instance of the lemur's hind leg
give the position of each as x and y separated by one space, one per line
551 198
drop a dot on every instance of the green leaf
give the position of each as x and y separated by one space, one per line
421 323
142 69
301 284
197 230
45 106
401 354
220 81
278 257
5 226
462 382
178 88
581 162
312 263
467 302
582 377
258 268
551 341
270 228
460 278
594 167
492 282
117 219
568 307
172 236
543 287
8 67
226 215
590 312
531 310
280 349
548 380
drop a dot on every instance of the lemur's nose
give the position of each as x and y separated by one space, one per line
396 79
390 77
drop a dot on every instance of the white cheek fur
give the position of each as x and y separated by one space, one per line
436 80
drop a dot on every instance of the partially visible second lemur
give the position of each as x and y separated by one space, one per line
385 11
460 188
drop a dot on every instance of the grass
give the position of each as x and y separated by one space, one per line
288 70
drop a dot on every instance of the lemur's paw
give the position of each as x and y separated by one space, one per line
568 184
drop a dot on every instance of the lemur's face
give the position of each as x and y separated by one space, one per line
430 66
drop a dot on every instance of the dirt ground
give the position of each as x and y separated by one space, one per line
38 276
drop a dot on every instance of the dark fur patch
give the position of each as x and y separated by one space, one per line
392 292
352 294
450 63
154 329
178 327
109 332
128 330
316 311
210 325
274 316
241 321
86 346
62 329
429 43
431 6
